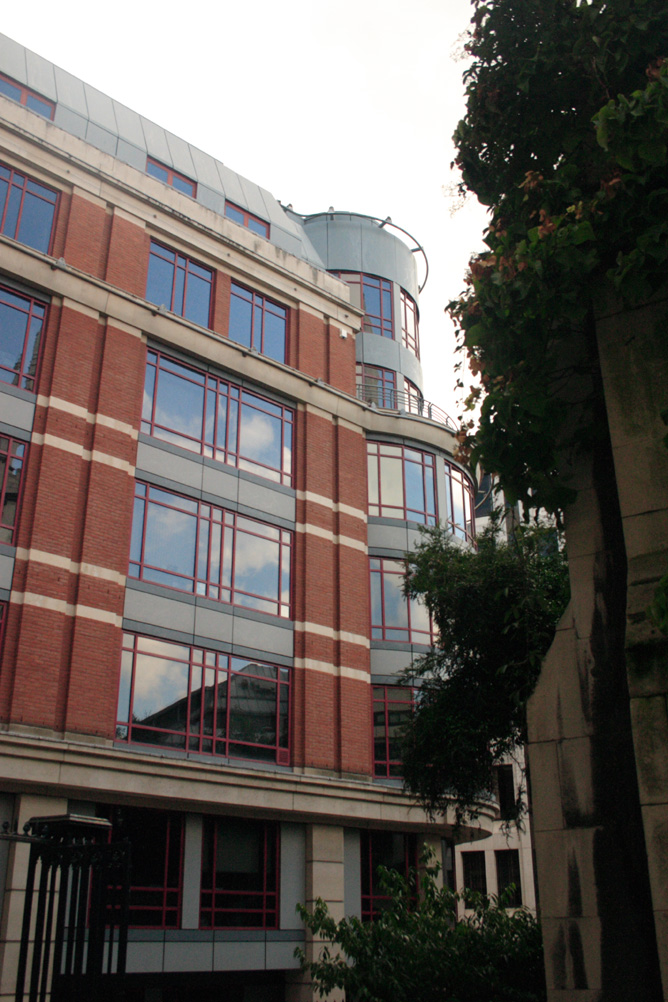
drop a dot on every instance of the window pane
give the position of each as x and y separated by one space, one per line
160 281
170 539
240 321
274 337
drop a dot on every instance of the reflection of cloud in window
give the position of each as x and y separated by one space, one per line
259 437
256 559
170 539
158 683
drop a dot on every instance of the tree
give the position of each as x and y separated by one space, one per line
419 952
495 610
566 139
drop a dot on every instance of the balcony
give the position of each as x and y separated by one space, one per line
386 398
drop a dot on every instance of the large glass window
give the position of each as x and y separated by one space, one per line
507 873
394 851
392 709
239 874
401 483
24 95
12 461
414 398
247 219
217 419
196 547
393 617
377 386
459 493
27 209
156 863
22 319
179 284
257 322
375 298
475 877
171 177
179 696
409 324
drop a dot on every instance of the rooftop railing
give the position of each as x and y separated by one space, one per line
388 399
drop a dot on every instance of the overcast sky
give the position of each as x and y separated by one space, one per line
349 103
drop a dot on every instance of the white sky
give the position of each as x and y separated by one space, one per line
349 103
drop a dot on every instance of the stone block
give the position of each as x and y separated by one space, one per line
145 958
655 821
238 956
572 958
545 786
649 717
577 790
189 956
565 864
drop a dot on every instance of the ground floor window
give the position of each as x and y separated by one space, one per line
507 873
239 874
475 877
393 850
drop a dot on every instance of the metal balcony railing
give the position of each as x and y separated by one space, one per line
389 399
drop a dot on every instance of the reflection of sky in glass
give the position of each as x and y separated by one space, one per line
170 540
160 683
256 569
260 437
180 405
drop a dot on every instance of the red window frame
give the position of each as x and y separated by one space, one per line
27 97
377 385
253 333
26 371
220 397
174 178
12 216
212 718
229 907
379 321
383 571
461 503
154 905
183 268
392 704
218 536
392 452
245 218
410 336
373 847
17 450
508 872
414 398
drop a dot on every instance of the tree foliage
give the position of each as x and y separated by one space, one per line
420 953
495 610
566 139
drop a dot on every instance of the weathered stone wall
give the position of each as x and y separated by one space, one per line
598 721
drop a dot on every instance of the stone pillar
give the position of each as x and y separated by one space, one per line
324 879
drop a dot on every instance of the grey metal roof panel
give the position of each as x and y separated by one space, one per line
181 157
100 108
40 75
70 91
210 199
230 184
70 121
156 140
101 139
132 155
205 168
129 126
13 59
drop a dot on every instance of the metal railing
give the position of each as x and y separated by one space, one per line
389 399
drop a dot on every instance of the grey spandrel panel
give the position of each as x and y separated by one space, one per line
181 157
70 121
145 958
101 109
262 637
206 171
264 501
6 568
238 956
192 868
156 141
129 125
293 873
352 873
230 183
132 155
101 138
389 662
13 59
414 538
214 624
410 365
70 92
220 483
239 936
40 75
290 243
344 245
16 412
388 537
281 956
377 350
188 956
159 610
210 198
177 469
